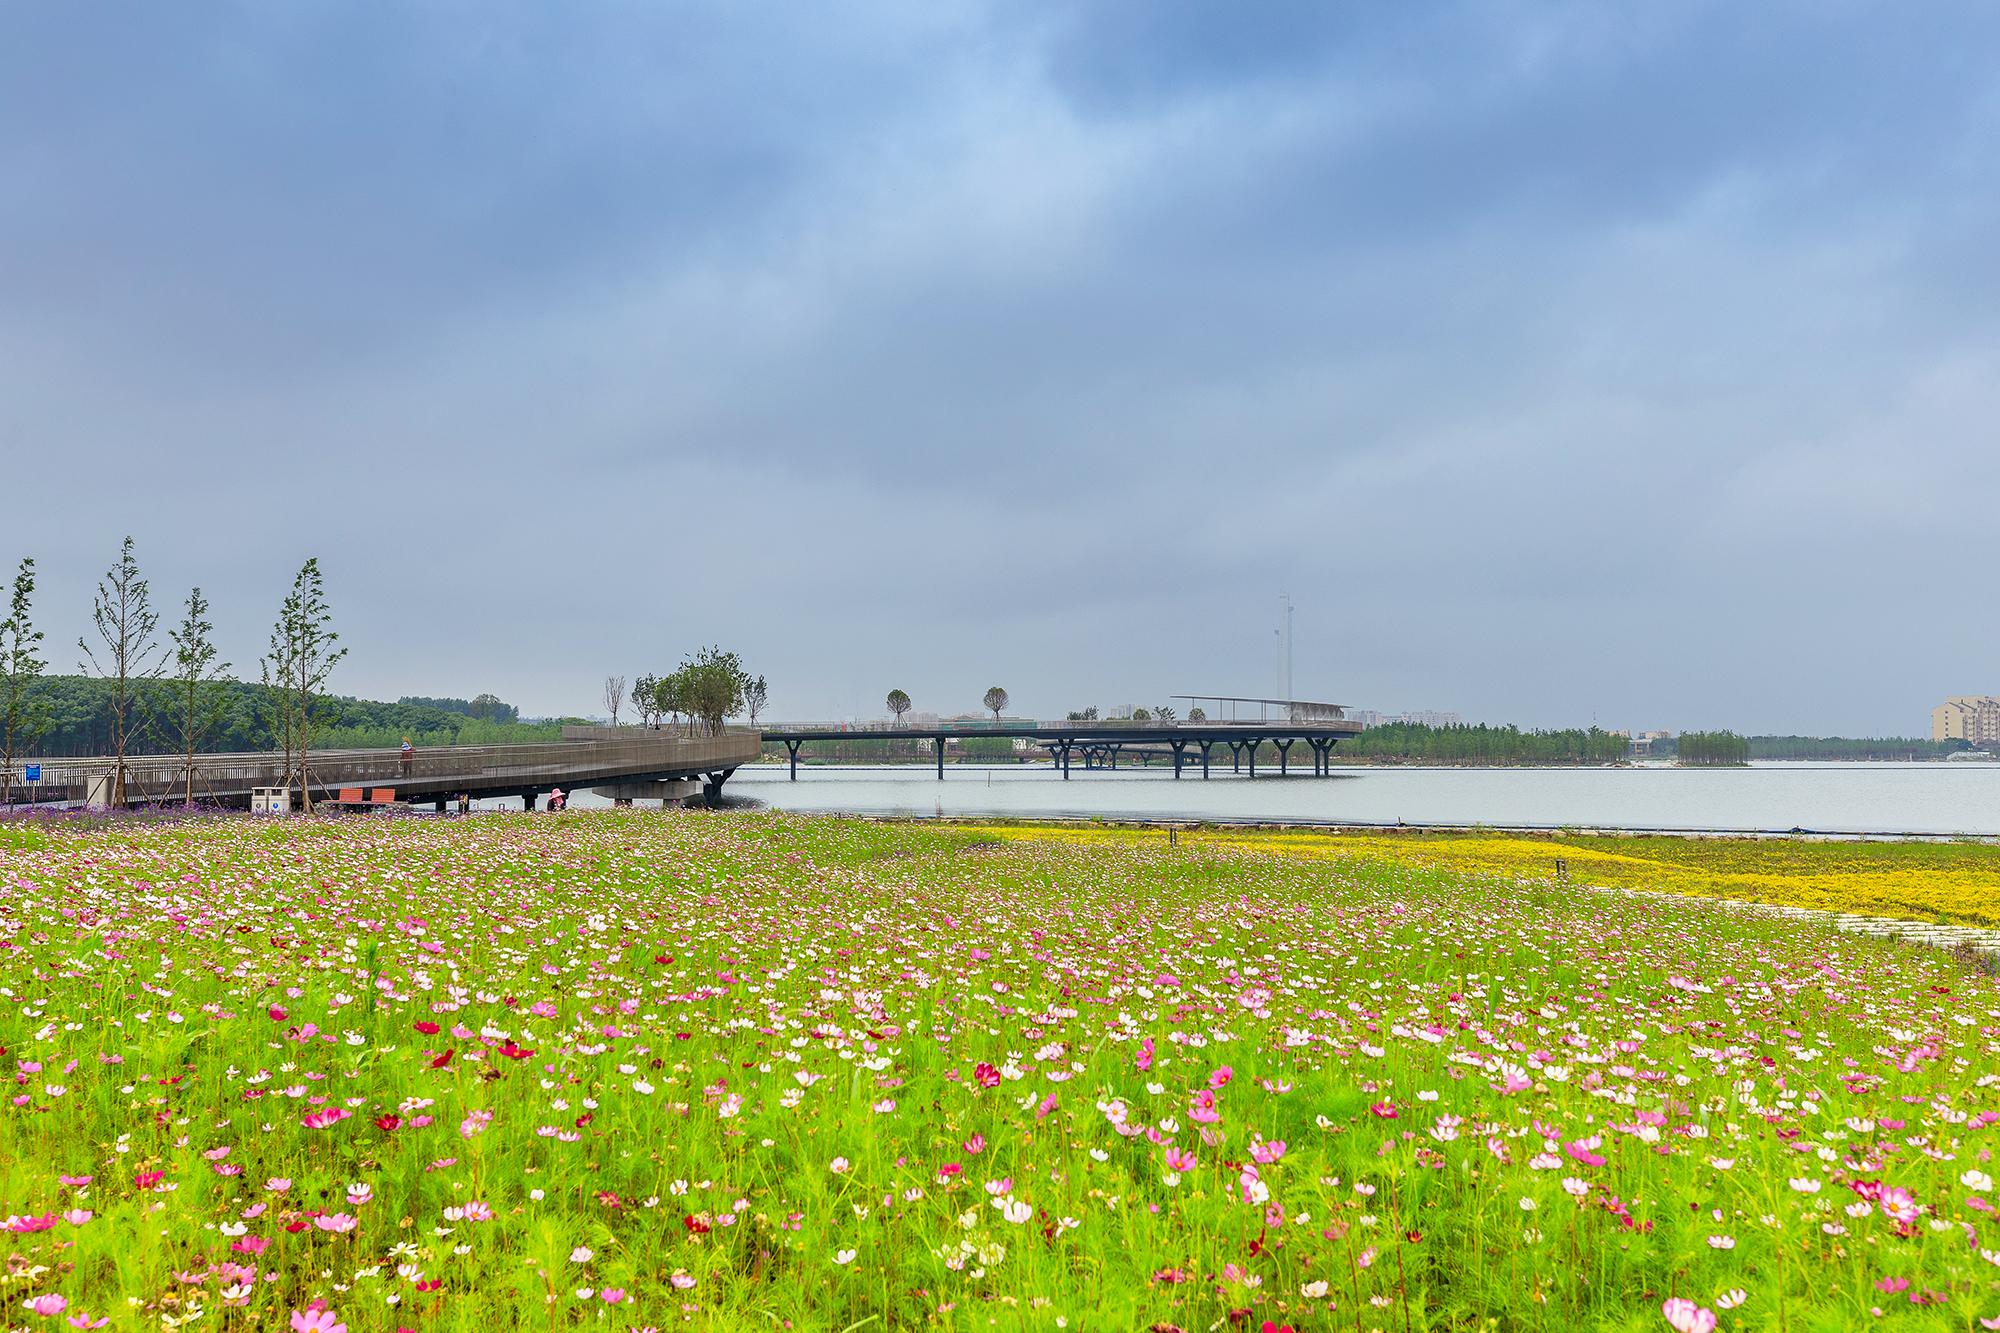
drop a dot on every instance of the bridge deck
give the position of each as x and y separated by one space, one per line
433 774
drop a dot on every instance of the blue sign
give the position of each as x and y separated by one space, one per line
32 772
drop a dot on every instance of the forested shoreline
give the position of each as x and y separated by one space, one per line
79 716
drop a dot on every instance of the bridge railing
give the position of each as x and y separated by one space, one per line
165 777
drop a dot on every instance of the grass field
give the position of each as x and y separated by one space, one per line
623 1071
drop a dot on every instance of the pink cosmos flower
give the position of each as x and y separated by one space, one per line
82 1319
325 1117
47 1306
1178 1160
1267 1151
316 1321
1144 1059
76 1217
1220 1077
611 1295
339 1223
1684 1316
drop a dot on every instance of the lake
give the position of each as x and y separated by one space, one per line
1934 798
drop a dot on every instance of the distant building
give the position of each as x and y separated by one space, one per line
1370 717
1427 717
1972 718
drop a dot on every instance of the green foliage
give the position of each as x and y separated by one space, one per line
709 688
899 704
1713 749
1409 742
1847 747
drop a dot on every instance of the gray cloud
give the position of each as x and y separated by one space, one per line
1557 360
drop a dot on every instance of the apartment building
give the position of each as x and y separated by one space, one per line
1973 718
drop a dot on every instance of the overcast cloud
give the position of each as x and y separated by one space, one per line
1562 361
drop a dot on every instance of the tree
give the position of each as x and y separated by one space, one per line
755 695
1197 714
1084 714
614 696
200 689
1165 712
301 657
491 708
21 665
710 688
1141 715
995 700
124 617
645 698
899 704
668 692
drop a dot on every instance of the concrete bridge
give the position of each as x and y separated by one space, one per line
625 763
1099 743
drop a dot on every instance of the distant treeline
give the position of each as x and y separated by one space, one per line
1843 747
1712 749
1409 742
905 750
79 715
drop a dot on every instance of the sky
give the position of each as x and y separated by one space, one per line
1562 362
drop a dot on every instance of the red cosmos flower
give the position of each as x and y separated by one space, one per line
514 1052
145 1180
695 1226
444 1059
1386 1110
1272 1327
387 1122
988 1076
276 1014
425 1026
296 1227
430 1284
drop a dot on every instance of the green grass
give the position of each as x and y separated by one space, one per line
698 1059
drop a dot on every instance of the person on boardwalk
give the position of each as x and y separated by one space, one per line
409 756
556 798
465 803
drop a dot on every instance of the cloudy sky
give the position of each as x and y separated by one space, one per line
1638 362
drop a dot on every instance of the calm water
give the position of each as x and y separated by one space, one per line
1859 798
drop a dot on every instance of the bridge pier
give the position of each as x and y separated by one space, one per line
939 743
1251 746
1204 759
1284 753
1179 746
1065 761
1236 756
793 746
438 805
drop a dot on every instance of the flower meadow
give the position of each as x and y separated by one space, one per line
625 1070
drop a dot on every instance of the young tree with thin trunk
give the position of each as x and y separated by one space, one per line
755 695
899 704
200 687
21 663
614 696
644 697
996 700
125 620
303 654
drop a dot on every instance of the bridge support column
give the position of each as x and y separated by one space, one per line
1113 753
528 801
1236 756
1179 747
939 743
1204 759
438 805
1284 753
1065 761
711 787
793 746
1251 746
